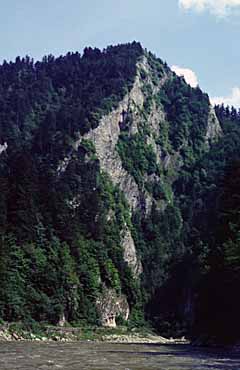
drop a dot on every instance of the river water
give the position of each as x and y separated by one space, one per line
106 356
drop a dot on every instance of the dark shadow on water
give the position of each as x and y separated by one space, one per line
183 356
179 350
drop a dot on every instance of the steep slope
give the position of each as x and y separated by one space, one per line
60 212
101 160
217 225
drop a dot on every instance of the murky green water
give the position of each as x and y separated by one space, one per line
105 356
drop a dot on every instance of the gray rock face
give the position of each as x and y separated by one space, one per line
214 131
129 253
105 138
110 305
3 148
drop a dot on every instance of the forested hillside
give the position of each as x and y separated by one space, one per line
119 196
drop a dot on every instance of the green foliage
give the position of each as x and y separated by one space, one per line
158 68
187 113
60 214
137 156
78 245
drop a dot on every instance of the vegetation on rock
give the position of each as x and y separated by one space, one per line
62 217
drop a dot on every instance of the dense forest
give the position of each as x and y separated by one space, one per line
63 216
55 255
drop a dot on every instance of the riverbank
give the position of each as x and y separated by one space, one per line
17 332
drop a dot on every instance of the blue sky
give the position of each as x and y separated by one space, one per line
201 35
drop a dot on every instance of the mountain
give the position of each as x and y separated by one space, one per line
115 175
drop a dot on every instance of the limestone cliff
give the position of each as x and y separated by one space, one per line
131 115
105 137
140 112
110 164
130 253
111 305
214 131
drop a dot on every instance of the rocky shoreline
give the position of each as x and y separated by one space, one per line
147 339
70 334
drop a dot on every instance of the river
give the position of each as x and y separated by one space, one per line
106 356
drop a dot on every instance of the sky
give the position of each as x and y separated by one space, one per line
197 38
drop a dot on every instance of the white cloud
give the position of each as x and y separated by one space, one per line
188 74
221 8
233 99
